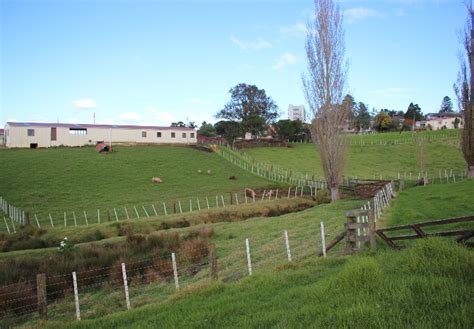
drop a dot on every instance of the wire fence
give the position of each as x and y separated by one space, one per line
126 284
163 209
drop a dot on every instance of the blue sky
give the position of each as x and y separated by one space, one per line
158 61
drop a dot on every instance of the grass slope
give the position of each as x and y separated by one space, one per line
432 202
368 160
427 286
56 180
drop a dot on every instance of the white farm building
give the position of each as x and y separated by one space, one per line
35 135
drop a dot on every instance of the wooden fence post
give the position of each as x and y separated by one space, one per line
323 240
27 219
287 245
175 271
76 296
125 285
372 227
249 260
213 260
41 295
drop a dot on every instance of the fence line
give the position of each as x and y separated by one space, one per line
48 220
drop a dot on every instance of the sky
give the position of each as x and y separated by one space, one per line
158 61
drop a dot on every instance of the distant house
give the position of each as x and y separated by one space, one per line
2 136
437 121
34 135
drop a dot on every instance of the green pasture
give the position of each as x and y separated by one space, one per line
374 160
62 180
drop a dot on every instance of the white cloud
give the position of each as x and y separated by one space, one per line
353 15
256 45
130 117
298 29
86 103
284 60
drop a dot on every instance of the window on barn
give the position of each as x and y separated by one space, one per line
173 135
192 135
143 133
77 131
158 134
31 132
184 135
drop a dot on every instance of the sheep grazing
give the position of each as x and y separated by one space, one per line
199 171
250 193
156 180
209 171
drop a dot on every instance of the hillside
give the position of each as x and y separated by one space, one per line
62 180
372 155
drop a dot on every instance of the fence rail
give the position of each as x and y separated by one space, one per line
464 233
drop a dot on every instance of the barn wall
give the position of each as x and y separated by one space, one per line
18 136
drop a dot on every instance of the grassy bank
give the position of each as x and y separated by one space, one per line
427 286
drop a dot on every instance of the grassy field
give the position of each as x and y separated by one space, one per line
432 202
368 160
427 286
75 179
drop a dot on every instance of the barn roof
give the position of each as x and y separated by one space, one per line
81 125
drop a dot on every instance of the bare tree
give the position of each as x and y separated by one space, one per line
324 88
464 89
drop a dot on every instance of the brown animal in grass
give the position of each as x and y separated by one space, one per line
156 180
232 178
250 193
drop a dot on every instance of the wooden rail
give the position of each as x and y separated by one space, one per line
464 234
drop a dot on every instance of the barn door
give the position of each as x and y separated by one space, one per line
53 133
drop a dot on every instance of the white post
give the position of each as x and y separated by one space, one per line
263 194
136 212
116 217
323 240
98 216
199 204
217 202
13 225
222 198
126 213
125 285
6 224
249 260
287 244
154 210
175 271
74 217
190 205
236 199
37 223
76 296
180 209
276 195
65 222
207 201
289 190
146 212
51 220
164 208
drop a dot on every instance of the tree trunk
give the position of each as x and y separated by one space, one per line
334 193
470 171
